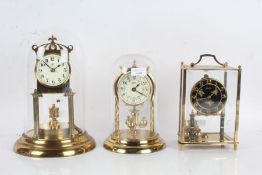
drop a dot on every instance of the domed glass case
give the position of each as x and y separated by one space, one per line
134 107
209 103
55 122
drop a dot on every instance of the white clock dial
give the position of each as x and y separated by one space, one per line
50 71
134 90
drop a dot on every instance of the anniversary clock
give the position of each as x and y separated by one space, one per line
54 130
209 103
134 109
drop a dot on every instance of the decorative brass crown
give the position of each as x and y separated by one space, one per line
53 46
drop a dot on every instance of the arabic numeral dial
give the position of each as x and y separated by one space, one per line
51 71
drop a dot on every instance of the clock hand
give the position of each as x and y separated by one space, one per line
57 66
208 97
47 65
201 99
51 69
134 88
141 93
214 92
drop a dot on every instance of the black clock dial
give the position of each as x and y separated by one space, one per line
208 96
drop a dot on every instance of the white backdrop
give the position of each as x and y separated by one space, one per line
167 31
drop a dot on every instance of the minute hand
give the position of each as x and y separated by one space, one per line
141 93
47 65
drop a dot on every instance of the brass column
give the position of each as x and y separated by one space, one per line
36 96
237 107
183 104
222 115
70 96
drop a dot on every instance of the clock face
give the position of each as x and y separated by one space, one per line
50 71
134 90
208 96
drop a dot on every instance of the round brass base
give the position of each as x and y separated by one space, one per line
32 147
145 142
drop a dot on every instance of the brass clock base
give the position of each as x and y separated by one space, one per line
79 144
139 142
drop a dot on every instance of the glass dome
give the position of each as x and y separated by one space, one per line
55 120
135 106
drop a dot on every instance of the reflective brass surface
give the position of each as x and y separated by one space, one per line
134 142
53 147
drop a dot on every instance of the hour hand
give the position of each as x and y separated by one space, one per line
205 98
57 66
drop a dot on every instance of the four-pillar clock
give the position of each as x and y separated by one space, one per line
54 132
209 103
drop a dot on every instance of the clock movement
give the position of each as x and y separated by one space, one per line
209 103
134 109
54 130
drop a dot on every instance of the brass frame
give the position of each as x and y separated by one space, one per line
223 138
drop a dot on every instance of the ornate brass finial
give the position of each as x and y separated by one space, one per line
53 115
52 39
52 43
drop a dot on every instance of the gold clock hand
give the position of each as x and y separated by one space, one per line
215 92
